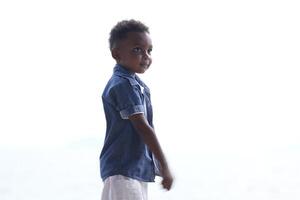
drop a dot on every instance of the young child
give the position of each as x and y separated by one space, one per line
131 155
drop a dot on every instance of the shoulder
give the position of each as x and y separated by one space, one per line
116 81
118 84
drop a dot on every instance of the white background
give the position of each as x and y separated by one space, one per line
225 89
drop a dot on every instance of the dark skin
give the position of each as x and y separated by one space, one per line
134 53
148 135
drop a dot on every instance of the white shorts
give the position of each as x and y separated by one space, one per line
119 187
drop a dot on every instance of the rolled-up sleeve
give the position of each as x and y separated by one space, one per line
128 99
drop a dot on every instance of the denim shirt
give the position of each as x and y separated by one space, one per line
124 152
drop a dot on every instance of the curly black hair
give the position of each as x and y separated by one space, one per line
120 30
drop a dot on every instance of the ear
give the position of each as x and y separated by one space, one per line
115 54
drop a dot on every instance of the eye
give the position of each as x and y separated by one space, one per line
149 51
137 50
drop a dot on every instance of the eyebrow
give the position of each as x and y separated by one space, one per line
138 44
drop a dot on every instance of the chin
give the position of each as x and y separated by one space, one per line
144 69
141 72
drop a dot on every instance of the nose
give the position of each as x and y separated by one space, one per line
146 55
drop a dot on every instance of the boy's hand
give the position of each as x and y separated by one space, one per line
167 181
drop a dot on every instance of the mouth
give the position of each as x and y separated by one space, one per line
145 65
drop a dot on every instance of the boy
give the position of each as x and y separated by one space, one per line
131 155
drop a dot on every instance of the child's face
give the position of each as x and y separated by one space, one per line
134 52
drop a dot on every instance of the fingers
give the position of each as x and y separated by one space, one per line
167 180
167 183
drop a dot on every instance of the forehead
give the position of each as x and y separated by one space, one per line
138 38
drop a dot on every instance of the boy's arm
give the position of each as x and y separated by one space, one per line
148 135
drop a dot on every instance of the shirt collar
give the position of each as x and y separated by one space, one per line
119 70
122 71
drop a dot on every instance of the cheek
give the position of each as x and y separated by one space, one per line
137 57
132 55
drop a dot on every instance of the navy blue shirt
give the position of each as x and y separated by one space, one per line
124 152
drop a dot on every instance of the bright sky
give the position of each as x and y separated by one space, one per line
225 74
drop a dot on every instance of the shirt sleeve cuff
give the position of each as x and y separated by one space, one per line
131 110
